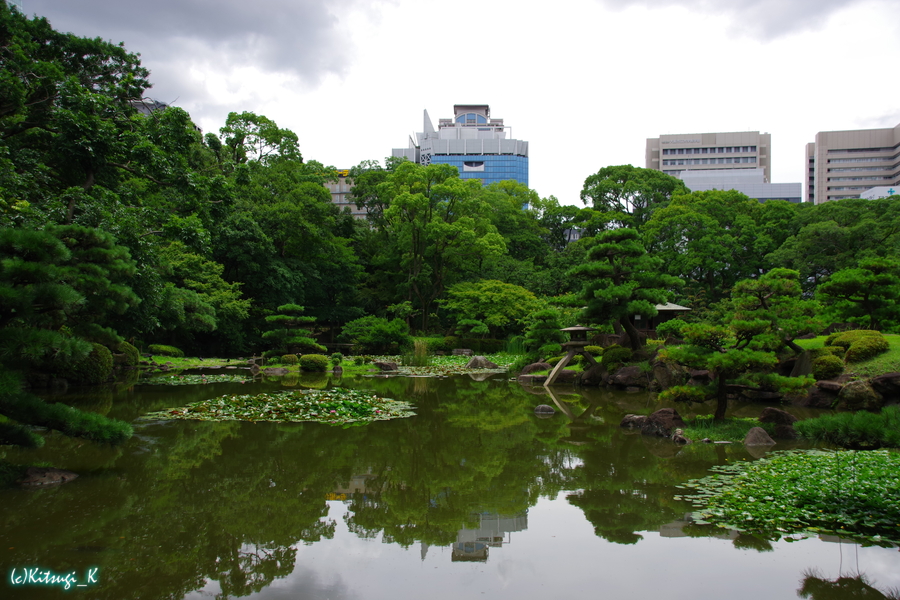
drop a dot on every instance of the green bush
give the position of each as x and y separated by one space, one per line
844 339
336 358
865 348
594 350
273 360
684 393
858 431
615 354
815 353
290 359
314 362
128 355
827 366
94 368
162 350
671 327
374 335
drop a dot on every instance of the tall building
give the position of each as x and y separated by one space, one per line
674 154
481 147
845 164
750 182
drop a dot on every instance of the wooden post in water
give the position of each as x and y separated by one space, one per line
577 341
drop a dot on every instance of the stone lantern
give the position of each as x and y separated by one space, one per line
578 339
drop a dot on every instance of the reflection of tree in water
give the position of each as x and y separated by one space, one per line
250 568
818 588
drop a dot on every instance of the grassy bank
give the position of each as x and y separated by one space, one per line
889 362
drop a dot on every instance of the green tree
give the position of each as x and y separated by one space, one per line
867 295
621 280
291 334
631 194
543 335
501 307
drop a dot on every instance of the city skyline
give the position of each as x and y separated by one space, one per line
584 83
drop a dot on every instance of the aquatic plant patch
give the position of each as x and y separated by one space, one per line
812 491
336 406
192 379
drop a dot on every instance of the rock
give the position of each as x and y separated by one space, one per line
384 365
35 476
662 423
830 386
275 371
480 362
544 409
538 366
531 379
629 377
633 421
480 376
338 370
595 375
859 395
777 416
761 396
700 377
706 441
819 398
887 384
758 437
566 376
669 374
785 432
678 438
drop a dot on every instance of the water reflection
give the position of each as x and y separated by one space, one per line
239 504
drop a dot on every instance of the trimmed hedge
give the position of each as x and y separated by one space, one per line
94 368
845 339
314 362
130 356
827 366
684 393
163 350
594 350
616 354
290 359
865 348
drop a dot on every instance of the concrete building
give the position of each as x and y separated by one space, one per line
340 193
674 154
845 164
481 147
751 182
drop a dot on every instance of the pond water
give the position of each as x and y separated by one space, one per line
473 497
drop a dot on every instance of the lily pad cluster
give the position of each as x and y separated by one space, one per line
848 493
336 406
192 379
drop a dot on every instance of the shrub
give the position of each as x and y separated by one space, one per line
865 348
671 327
827 366
859 430
827 351
94 368
515 345
419 357
373 335
314 362
162 350
336 358
615 354
130 356
593 350
273 360
684 393
290 359
845 338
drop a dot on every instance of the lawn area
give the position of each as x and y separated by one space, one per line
889 362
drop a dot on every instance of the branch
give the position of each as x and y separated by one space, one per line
138 173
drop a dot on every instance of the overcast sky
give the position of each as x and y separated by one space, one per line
585 82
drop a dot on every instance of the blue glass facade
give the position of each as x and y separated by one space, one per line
488 168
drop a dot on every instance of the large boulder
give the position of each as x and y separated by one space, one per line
822 395
39 476
595 375
480 362
777 416
533 367
887 385
663 423
629 377
758 437
633 421
859 395
385 365
669 374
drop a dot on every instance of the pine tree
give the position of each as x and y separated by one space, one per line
291 335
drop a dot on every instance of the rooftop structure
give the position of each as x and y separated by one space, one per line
751 182
480 146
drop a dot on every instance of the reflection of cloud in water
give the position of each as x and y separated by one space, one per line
302 583
511 570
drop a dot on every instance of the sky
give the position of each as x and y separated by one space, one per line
585 82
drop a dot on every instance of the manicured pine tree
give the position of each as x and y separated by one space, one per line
290 333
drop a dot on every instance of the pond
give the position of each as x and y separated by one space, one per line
474 496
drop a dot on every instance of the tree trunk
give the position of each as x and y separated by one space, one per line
721 398
633 335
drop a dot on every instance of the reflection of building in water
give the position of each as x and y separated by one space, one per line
358 484
493 531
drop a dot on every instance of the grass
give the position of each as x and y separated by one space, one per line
733 429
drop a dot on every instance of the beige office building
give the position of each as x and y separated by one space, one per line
674 154
844 164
